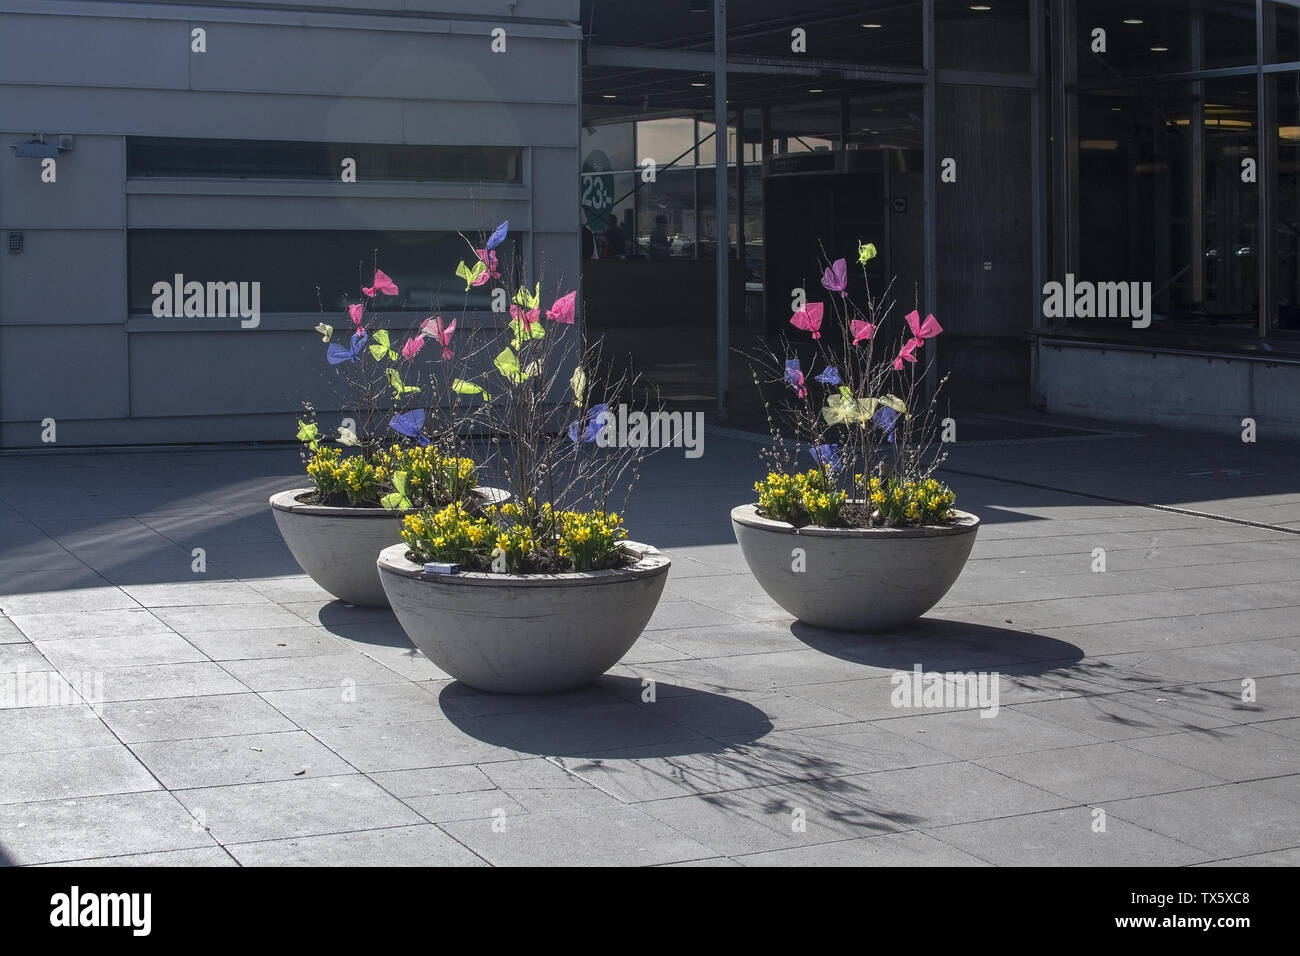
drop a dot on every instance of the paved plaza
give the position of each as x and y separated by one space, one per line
1148 714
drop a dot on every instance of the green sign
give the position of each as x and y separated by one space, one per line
597 190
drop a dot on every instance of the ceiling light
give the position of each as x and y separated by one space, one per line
816 91
699 84
872 26
1132 21
609 96
1160 49
699 6
980 7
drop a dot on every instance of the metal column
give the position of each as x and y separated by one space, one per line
720 197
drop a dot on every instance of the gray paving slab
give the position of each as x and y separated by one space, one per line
122 650
182 718
90 827
1100 772
243 758
307 806
34 729
61 774
415 845
909 848
1227 821
71 625
614 836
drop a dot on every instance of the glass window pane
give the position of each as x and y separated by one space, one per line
665 216
614 140
666 140
243 159
307 271
992 36
1151 37
1281 32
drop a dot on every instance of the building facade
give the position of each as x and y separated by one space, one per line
212 142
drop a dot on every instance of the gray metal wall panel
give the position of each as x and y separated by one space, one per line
285 117
505 9
62 277
242 212
63 372
86 194
84 51
368 63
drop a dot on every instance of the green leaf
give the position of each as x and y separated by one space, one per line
382 347
395 382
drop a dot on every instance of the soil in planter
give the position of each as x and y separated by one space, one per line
340 500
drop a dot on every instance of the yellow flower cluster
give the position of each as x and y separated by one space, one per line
586 538
912 501
807 498
431 478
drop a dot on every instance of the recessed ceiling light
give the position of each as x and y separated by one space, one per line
1132 21
872 26
1160 49
699 84
1117 109
609 96
816 91
980 7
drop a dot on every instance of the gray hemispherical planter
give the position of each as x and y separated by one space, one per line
524 633
854 579
337 546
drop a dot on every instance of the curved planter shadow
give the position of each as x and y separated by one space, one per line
604 720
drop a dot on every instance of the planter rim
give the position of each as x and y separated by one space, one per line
393 560
748 516
288 501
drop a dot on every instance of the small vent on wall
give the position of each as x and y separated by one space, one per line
15 242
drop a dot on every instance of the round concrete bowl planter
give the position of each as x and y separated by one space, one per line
337 546
854 579
524 633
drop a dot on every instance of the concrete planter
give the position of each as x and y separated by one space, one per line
524 633
854 579
337 547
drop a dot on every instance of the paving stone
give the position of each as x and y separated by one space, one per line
59 774
259 615
124 650
89 827
1228 821
1123 716
616 729
1231 753
295 808
892 849
245 758
612 836
1099 772
433 781
197 593
156 681
1067 838
258 644
418 845
968 735
72 625
66 600
373 748
183 718
202 857
320 671
347 705
32 729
